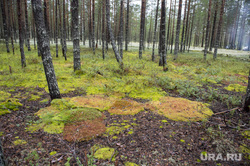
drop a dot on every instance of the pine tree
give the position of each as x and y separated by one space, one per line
142 27
27 30
178 26
207 30
155 28
6 36
127 27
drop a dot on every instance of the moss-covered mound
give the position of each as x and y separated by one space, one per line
94 101
4 95
236 88
180 109
9 105
77 123
126 107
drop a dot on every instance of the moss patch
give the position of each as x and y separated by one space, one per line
34 98
105 153
130 164
4 95
19 142
236 88
8 105
180 109
126 107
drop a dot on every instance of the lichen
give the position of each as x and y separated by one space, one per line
19 142
180 109
52 153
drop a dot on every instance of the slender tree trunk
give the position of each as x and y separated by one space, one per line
118 57
127 27
207 30
103 29
150 29
214 25
21 32
121 29
27 30
142 27
172 38
183 27
154 39
2 159
64 47
83 22
219 29
191 32
203 34
34 31
75 34
46 16
43 41
247 99
56 29
90 24
243 20
187 26
162 47
93 29
11 22
169 26
178 26
5 25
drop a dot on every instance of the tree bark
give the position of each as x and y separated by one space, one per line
191 32
242 31
154 39
43 42
11 22
207 30
247 99
214 25
219 29
56 30
127 27
5 25
64 46
169 26
90 25
187 26
75 34
2 160
103 29
83 22
163 36
46 16
118 57
176 47
121 29
142 27
183 27
21 25
172 38
27 30
93 24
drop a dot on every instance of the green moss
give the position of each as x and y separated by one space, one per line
1 133
34 98
183 141
130 132
112 130
44 101
4 95
19 142
105 153
164 121
8 105
245 150
130 164
236 88
52 153
114 137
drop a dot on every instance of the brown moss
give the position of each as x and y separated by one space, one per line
126 107
84 130
180 109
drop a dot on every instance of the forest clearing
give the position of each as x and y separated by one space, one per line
113 95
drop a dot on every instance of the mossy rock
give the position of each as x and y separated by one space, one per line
105 153
4 95
236 88
180 109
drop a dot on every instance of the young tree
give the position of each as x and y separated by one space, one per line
75 34
118 57
127 26
5 25
207 30
142 27
21 25
27 30
43 42
176 47
154 39
247 99
219 29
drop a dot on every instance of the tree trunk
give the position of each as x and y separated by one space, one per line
90 25
172 38
83 22
154 39
5 25
191 32
214 25
219 29
187 26
46 16
118 57
121 29
183 27
243 20
163 36
27 30
56 30
75 34
11 22
93 28
127 27
247 99
169 26
207 30
103 29
64 46
2 160
176 47
21 25
43 41
142 27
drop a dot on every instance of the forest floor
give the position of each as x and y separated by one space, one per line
139 115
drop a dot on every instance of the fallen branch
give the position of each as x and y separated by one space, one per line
226 111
